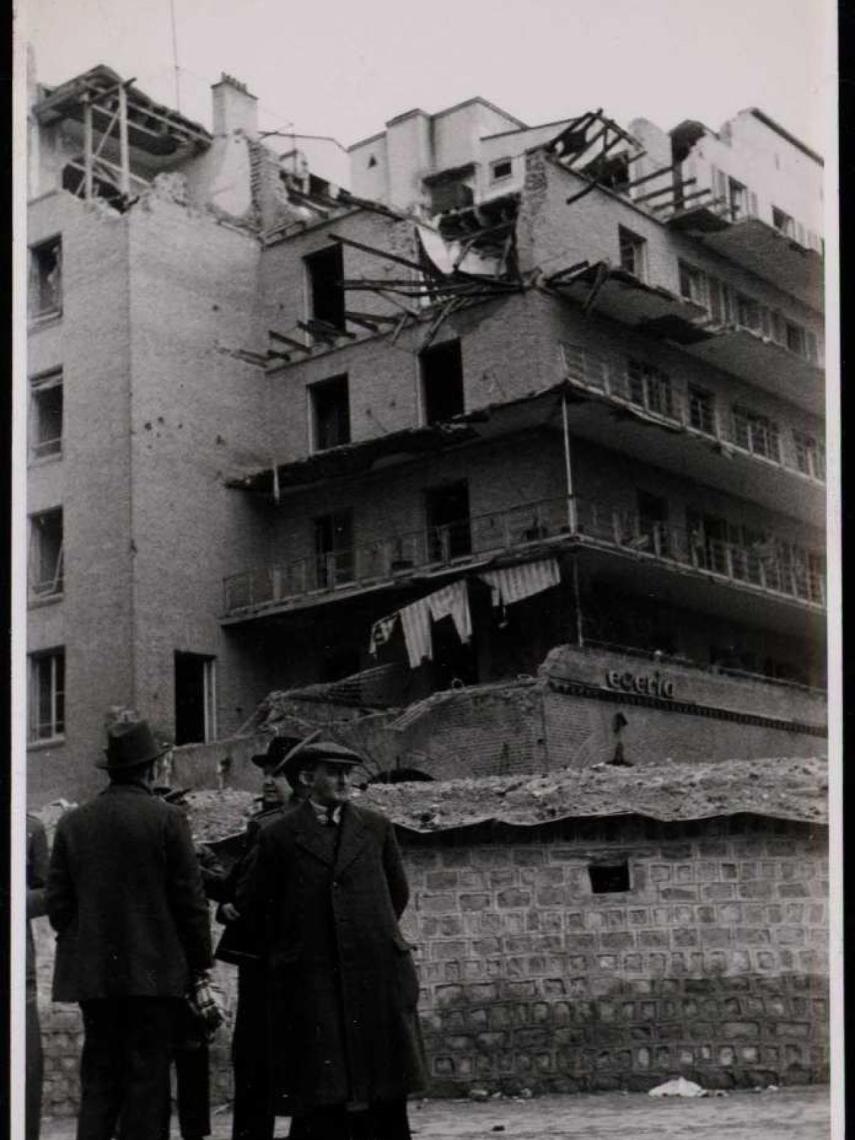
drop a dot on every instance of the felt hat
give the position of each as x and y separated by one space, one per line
276 750
130 744
311 751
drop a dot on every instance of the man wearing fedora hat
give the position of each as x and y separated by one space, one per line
253 1109
124 894
325 894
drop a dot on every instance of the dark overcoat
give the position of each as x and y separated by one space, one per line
124 894
343 984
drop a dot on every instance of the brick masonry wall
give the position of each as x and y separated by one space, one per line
713 965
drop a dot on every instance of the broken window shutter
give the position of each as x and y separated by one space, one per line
719 180
765 320
752 203
800 234
811 346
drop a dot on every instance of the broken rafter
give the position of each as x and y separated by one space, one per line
448 308
283 339
649 177
364 318
574 269
378 252
672 187
688 198
324 330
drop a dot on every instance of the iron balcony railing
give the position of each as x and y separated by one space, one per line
773 569
658 396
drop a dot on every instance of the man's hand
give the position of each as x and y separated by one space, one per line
229 912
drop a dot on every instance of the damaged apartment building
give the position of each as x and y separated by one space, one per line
521 406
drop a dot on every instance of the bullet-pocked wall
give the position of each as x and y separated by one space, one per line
88 478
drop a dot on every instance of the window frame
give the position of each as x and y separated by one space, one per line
705 399
39 386
315 392
56 723
629 239
494 175
37 279
52 588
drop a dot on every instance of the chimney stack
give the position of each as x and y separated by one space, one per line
234 108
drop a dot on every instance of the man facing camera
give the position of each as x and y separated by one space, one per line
326 891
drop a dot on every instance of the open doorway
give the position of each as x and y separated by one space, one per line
195 698
447 516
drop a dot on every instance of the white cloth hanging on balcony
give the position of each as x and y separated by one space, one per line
381 631
452 601
415 620
513 583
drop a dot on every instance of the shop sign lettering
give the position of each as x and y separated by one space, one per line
649 686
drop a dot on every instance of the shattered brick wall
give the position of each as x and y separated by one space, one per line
713 965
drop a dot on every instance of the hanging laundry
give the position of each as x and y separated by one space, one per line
513 583
415 621
452 601
381 631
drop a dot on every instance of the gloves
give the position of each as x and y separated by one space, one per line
206 1003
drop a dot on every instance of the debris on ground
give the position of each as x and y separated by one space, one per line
671 790
678 1087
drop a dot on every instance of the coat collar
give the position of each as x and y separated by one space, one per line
121 789
310 836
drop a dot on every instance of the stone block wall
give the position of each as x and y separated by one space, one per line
713 965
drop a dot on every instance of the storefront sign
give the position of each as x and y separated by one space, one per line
654 686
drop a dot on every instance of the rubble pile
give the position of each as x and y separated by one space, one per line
778 787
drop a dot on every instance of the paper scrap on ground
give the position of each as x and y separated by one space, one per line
678 1087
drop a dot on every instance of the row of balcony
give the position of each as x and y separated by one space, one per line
652 391
772 567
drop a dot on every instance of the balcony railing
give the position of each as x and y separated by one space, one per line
669 403
771 571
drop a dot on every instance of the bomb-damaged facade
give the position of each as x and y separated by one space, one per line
519 388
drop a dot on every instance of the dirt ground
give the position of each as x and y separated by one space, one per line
795 1113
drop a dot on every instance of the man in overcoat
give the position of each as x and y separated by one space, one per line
124 894
326 891
253 1109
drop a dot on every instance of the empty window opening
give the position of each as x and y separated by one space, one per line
701 410
633 253
442 381
501 168
810 454
609 878
650 388
47 695
330 413
333 549
653 529
737 199
46 415
74 177
447 512
325 271
783 222
692 284
372 161
46 553
757 434
195 698
45 286
707 535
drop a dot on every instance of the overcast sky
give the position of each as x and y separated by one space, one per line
343 67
